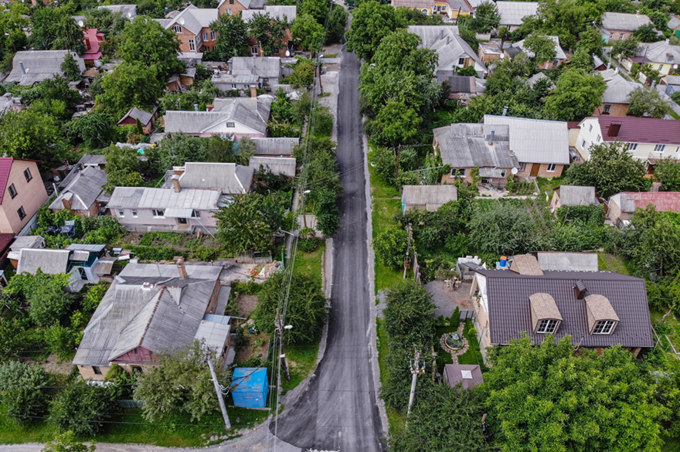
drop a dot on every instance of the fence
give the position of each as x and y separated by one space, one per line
464 315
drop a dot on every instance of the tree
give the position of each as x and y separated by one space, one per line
611 169
24 389
371 22
647 33
626 48
542 47
548 397
145 43
486 17
307 310
582 60
591 42
81 408
66 442
268 32
247 224
44 294
395 124
232 37
668 172
55 29
390 247
28 134
180 382
70 68
443 419
327 212
318 9
501 230
303 74
503 34
409 314
576 95
122 168
647 102
94 130
336 26
131 85
307 33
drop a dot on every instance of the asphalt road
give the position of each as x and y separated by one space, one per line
339 411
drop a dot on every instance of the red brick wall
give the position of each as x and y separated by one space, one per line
143 355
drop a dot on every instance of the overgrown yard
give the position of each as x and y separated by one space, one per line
397 421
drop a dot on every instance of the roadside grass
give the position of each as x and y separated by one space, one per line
396 420
310 263
611 263
304 358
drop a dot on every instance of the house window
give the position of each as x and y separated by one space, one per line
213 36
205 36
227 11
632 146
96 370
599 138
28 175
659 148
158 213
551 167
231 2
231 124
135 351
177 28
590 129
233 86
21 212
425 12
461 61
522 166
12 191
121 213
182 220
503 173
458 172
253 50
583 144
192 44
604 327
607 109
195 214
546 327
611 35
621 36
134 214
443 8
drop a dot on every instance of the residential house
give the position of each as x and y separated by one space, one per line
427 197
452 50
21 242
150 309
22 193
82 195
235 7
229 178
467 146
192 27
35 66
567 261
424 6
595 309
512 13
229 82
619 26
489 52
615 99
674 24
142 209
518 47
661 56
76 260
671 83
573 195
280 166
622 205
283 13
127 11
468 375
275 146
647 139
455 8
462 87
537 77
598 64
266 71
237 116
541 147
147 119
93 40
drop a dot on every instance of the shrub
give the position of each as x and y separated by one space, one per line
455 317
62 341
390 247
81 408
24 390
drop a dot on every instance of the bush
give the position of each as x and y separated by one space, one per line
81 408
308 241
390 247
62 341
205 254
94 296
24 390
455 318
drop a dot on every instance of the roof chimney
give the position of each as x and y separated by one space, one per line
175 184
181 268
614 129
23 69
579 290
195 107
505 110
253 91
441 34
493 134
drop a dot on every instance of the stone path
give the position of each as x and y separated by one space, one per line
461 351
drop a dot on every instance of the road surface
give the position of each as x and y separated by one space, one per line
339 411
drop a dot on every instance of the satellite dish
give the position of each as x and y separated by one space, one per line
287 53
81 23
181 20
514 170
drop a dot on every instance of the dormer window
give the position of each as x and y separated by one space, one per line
602 318
545 316
604 327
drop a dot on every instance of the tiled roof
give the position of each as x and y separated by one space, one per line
640 130
664 201
468 375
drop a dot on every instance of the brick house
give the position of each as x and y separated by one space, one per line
22 193
283 13
619 26
146 118
192 27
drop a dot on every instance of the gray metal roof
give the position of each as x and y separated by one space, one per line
673 22
83 190
164 316
536 77
512 13
285 13
163 198
429 34
624 21
574 195
468 146
143 115
224 77
560 55
27 241
618 88
39 65
535 140
565 261
509 310
672 80
431 196
275 146
277 165
194 19
86 247
660 52
228 178
252 113
448 45
51 262
128 11
468 375
265 67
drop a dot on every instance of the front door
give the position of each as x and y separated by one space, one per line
534 169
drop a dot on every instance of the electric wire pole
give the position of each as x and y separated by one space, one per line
218 390
282 356
417 368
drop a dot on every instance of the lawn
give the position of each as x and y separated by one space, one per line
310 263
548 184
611 263
473 355
396 420
302 360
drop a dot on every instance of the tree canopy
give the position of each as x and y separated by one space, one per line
30 134
501 230
542 47
134 84
232 37
647 102
24 389
576 95
44 294
307 33
371 23
55 29
146 43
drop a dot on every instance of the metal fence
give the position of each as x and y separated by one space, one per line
464 315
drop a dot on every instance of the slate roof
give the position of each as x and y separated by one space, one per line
467 146
163 198
664 201
659 52
164 316
535 140
567 261
509 307
27 241
641 130
278 165
462 84
430 196
265 67
512 13
560 55
429 34
49 261
618 88
467 374
281 12
228 178
624 21
194 19
252 113
128 11
143 115
83 190
461 5
673 22
672 80
448 45
574 195
39 65
537 77
275 146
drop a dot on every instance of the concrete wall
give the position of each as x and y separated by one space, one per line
615 214
30 195
616 35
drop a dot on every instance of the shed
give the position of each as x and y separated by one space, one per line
249 387
468 375
428 197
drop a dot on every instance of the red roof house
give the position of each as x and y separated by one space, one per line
623 205
93 40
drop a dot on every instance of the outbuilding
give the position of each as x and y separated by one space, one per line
249 387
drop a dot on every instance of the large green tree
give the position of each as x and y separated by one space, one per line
55 29
548 397
24 389
307 33
318 9
145 42
94 130
644 101
336 26
122 168
542 47
232 37
668 172
576 95
626 48
268 32
131 85
31 135
390 246
371 23
486 17
395 124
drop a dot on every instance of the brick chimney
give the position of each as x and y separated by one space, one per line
175 184
253 91
181 268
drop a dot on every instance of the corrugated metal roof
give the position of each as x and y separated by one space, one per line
52 262
624 21
253 113
433 196
275 146
664 201
660 52
509 307
27 241
641 130
512 13
535 140
565 261
265 67
285 13
85 247
163 198
277 165
128 11
213 334
5 169
574 195
39 65
467 146
229 178
84 189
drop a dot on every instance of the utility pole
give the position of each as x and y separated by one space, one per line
302 207
398 158
408 251
282 357
417 368
218 390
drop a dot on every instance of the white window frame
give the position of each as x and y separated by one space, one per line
458 172
604 327
522 166
660 148
234 86
253 50
547 326
195 214
607 109
134 214
631 146
205 36
213 36
583 144
121 214
443 8
552 167
192 45
461 61
611 35
158 213
590 128
622 36
177 28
